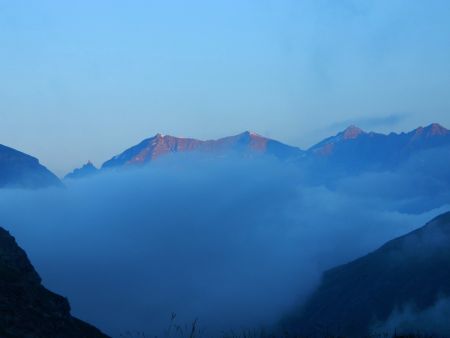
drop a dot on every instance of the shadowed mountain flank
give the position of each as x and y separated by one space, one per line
27 309
19 170
409 270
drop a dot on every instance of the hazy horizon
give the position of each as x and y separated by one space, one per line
83 81
338 126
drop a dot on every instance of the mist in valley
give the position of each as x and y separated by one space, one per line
236 243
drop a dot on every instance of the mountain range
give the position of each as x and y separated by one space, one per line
354 151
349 152
247 144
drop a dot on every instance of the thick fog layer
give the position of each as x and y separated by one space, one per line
234 243
419 184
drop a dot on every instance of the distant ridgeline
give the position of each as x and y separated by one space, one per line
349 152
247 144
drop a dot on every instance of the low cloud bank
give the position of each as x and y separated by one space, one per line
420 184
234 243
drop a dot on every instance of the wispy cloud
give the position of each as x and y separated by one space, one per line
390 120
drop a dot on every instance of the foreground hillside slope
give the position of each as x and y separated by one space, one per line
27 309
19 170
410 270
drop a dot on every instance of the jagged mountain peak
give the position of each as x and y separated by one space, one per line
88 169
159 136
89 164
326 146
245 135
351 132
251 134
434 129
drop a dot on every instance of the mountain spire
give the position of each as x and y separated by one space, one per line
352 132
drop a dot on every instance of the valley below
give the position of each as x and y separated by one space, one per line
240 234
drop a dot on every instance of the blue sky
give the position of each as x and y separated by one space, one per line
85 79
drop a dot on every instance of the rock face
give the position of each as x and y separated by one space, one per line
19 170
246 144
27 309
85 171
410 270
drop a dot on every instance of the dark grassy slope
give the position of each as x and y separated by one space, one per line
27 309
413 269
19 170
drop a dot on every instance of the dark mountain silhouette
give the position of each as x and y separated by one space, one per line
85 171
412 269
19 170
246 144
353 150
27 309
